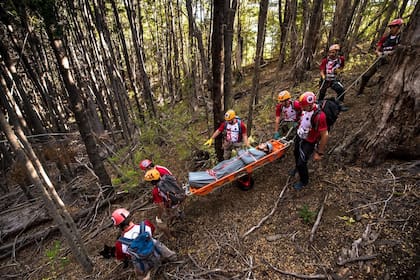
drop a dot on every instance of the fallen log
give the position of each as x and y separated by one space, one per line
31 238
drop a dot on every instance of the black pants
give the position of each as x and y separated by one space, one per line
335 85
372 70
303 151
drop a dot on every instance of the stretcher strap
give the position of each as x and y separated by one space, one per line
211 173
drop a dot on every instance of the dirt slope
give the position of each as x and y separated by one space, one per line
382 201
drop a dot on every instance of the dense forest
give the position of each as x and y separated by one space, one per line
90 88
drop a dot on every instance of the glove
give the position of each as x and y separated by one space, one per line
108 252
276 135
209 142
159 221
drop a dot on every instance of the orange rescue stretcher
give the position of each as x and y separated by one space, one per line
279 148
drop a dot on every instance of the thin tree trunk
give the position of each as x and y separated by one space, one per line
217 58
193 64
262 18
75 100
305 57
138 47
230 11
52 201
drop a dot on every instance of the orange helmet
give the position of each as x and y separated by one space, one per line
144 164
284 95
397 21
230 115
307 98
119 216
152 175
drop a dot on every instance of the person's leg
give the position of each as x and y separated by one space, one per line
366 77
142 270
305 151
227 150
165 252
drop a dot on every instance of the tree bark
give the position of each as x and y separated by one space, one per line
217 58
54 32
52 201
230 11
393 130
305 57
262 18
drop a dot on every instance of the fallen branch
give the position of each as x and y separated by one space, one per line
318 219
362 258
8 249
300 276
272 210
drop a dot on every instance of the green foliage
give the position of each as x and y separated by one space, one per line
306 214
55 260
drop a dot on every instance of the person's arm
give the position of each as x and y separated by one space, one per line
322 68
378 49
215 134
276 125
209 142
244 134
245 139
322 145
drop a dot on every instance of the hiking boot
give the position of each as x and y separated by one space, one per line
298 186
292 172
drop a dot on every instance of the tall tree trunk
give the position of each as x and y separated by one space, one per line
52 201
239 47
262 18
230 11
293 42
217 58
305 57
343 17
138 47
284 22
192 50
54 32
393 130
130 72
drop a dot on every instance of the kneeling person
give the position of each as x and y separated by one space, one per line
131 233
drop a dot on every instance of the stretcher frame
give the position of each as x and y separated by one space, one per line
279 148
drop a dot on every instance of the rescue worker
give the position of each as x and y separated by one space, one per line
147 164
312 135
329 69
384 49
166 212
121 218
287 114
235 134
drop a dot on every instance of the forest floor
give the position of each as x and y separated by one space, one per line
369 228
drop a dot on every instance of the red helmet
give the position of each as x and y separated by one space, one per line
119 216
307 98
397 21
145 163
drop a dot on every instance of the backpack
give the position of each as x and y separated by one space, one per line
331 108
170 190
142 247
